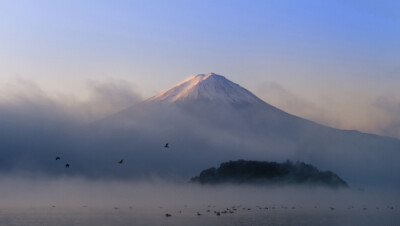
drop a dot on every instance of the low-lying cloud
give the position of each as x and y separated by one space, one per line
103 98
379 115
36 127
167 196
390 108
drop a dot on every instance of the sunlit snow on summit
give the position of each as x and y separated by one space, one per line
210 86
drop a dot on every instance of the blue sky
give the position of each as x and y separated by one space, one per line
338 58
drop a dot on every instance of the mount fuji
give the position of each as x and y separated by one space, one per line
208 119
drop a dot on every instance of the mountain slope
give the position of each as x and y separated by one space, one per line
208 119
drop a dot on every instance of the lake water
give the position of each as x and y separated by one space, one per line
79 201
187 215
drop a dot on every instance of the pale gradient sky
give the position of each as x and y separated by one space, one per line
335 62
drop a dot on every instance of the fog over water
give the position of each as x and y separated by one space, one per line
76 191
78 201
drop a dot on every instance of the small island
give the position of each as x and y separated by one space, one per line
273 173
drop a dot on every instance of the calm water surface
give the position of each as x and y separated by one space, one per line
187 215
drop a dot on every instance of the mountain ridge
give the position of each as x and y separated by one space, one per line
181 92
179 95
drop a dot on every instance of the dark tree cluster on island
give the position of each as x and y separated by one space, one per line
262 172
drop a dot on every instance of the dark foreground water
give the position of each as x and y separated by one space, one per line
187 215
74 201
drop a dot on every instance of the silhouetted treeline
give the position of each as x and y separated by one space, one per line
259 172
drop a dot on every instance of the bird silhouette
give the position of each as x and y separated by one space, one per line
166 145
57 158
121 161
67 165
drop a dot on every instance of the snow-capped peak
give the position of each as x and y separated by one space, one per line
210 86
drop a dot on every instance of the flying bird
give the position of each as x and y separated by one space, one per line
166 145
67 165
121 161
57 158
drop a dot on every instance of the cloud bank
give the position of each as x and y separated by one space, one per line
103 98
378 114
37 127
77 192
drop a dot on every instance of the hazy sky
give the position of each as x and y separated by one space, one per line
335 62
